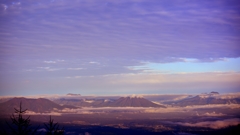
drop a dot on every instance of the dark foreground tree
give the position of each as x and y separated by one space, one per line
20 125
53 128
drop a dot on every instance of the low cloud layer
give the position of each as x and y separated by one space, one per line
213 124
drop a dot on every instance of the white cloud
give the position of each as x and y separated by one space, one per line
49 62
44 67
53 61
93 62
229 95
213 124
74 68
213 114
49 68
47 113
193 108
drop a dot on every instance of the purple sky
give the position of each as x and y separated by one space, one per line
119 47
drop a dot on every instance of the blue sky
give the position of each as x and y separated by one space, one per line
119 47
193 66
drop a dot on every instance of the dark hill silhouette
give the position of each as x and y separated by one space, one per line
35 105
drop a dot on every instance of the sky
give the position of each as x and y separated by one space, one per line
106 47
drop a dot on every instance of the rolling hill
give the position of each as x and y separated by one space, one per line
36 105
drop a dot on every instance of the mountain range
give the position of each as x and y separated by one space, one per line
203 100
36 105
121 102
42 105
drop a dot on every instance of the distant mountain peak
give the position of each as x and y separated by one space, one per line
135 96
211 94
214 92
134 101
205 99
71 94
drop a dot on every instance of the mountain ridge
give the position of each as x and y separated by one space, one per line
121 102
36 105
203 100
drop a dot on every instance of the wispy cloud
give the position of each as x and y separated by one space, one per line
49 69
163 31
108 38
50 113
93 62
74 68
53 62
50 62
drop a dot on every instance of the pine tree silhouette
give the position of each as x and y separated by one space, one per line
20 125
53 128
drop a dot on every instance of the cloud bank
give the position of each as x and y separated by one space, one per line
213 124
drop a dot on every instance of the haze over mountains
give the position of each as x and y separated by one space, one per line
73 101
205 99
151 100
121 102
45 105
198 100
